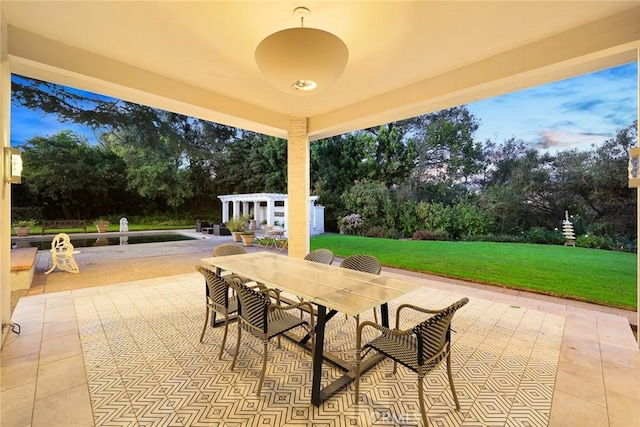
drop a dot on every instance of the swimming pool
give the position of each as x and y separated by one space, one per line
86 241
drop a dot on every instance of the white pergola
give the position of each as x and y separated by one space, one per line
276 208
405 58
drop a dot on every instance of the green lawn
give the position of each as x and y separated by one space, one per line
604 277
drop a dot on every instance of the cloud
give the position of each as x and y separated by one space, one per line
582 105
549 140
575 112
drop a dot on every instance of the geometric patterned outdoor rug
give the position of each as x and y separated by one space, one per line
145 366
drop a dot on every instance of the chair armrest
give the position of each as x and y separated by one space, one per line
413 307
294 306
379 327
248 282
255 285
268 291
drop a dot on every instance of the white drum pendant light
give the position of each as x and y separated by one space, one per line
302 60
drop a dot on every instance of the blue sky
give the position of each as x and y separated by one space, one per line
572 113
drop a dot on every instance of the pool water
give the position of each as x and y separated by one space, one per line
104 241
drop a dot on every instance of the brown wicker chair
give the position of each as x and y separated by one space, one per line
265 320
322 256
361 262
421 348
228 249
218 301
367 264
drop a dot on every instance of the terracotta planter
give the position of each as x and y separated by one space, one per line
102 228
22 231
247 239
236 236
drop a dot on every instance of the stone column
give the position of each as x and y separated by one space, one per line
298 176
225 211
270 211
5 188
236 209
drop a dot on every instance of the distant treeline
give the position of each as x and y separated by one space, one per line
426 174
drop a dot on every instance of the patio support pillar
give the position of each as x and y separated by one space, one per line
236 209
270 211
254 202
638 218
225 211
5 188
298 177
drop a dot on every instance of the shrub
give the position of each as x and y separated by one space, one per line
26 214
236 224
594 242
430 235
504 238
380 231
624 244
408 220
543 236
25 223
350 224
468 220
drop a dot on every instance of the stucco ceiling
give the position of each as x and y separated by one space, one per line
405 57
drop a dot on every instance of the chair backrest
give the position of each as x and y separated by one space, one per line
266 230
61 243
218 287
322 256
228 249
252 306
435 333
360 262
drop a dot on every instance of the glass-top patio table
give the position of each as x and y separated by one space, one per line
329 287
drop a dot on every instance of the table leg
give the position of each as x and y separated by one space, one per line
327 317
317 356
384 314
318 394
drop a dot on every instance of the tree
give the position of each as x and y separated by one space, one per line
384 154
153 170
611 198
516 188
336 164
447 153
390 155
66 172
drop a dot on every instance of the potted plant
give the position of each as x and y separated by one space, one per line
22 227
101 225
236 226
247 237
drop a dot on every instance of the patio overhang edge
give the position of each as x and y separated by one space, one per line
595 46
38 57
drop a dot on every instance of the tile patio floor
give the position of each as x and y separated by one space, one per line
128 354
